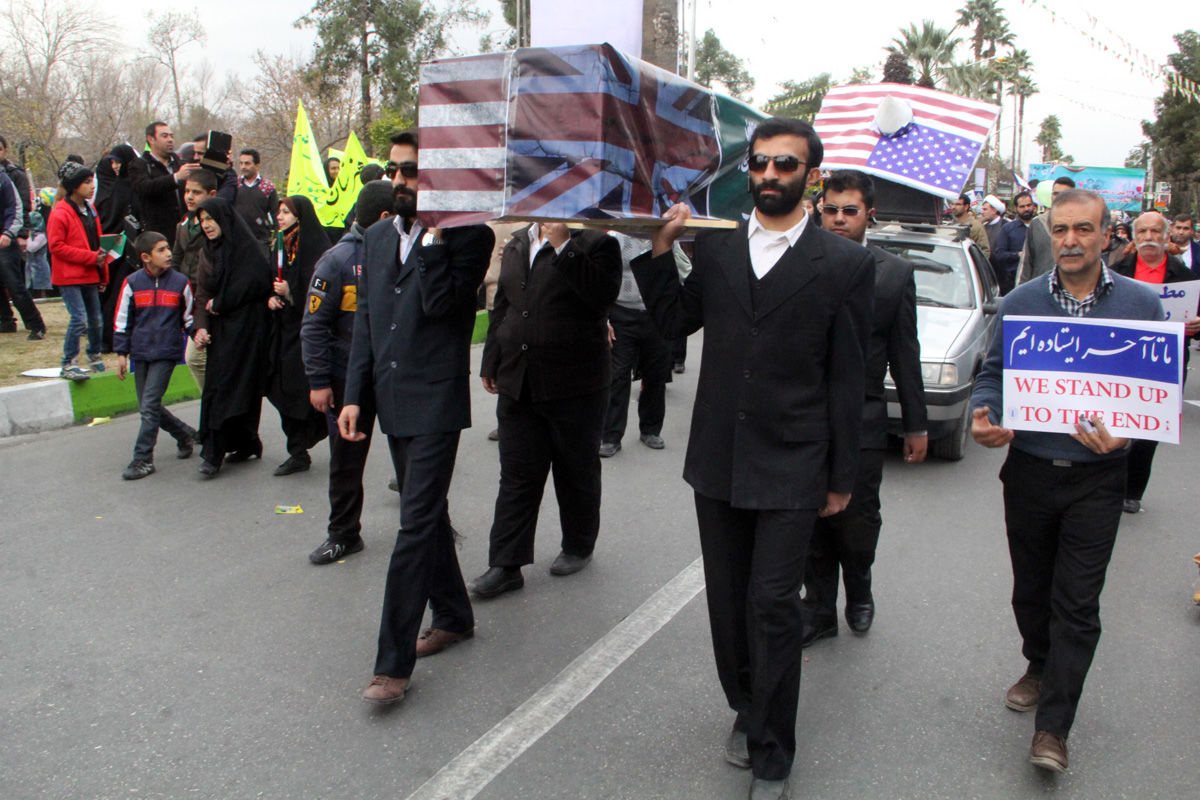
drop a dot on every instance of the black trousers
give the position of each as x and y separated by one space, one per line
753 568
347 461
12 278
303 433
638 346
1141 458
424 566
679 350
1062 525
535 438
846 540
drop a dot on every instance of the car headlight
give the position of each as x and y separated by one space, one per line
938 373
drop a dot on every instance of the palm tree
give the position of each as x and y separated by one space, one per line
990 27
928 48
1015 70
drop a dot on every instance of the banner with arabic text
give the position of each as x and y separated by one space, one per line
1126 373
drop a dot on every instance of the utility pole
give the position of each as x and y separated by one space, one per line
660 33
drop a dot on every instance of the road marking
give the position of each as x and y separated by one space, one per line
470 771
1193 402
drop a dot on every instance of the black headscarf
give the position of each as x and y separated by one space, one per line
313 243
240 272
114 192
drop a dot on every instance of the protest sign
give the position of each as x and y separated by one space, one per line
1126 373
1179 300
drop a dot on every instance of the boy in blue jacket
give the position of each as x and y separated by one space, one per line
154 315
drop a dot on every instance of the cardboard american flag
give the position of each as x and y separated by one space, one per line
934 152
579 131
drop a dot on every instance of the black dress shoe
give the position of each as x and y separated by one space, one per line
1132 506
818 627
567 564
238 456
496 581
296 463
859 616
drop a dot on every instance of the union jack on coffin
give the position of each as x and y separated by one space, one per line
934 150
581 132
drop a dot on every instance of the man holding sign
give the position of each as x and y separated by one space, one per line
1063 492
1151 264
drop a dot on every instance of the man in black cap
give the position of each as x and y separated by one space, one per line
325 336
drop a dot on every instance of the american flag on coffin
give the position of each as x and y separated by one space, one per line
922 138
571 132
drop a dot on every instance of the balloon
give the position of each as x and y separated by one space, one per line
1042 192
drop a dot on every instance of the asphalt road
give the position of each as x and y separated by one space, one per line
169 639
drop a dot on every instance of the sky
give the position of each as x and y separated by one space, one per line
1099 100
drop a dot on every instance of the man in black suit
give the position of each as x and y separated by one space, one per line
547 357
786 311
848 540
411 347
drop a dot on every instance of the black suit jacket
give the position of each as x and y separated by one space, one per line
549 325
894 346
779 403
412 329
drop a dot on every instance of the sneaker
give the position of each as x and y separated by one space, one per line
96 366
609 449
137 470
187 445
74 373
1132 506
331 550
37 336
653 441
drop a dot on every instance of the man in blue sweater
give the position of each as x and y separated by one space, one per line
1063 494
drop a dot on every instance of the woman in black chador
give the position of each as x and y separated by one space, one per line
114 207
237 285
304 242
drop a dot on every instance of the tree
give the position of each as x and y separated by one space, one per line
928 49
800 99
1015 69
1175 133
989 27
49 44
170 33
715 63
383 43
1049 135
897 70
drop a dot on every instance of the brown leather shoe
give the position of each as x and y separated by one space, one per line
383 690
1025 693
1048 751
435 640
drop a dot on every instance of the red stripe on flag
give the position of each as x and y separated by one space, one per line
462 136
452 92
461 180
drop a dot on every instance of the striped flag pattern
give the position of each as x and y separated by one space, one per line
934 153
567 132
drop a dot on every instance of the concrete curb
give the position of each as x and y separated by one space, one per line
56 403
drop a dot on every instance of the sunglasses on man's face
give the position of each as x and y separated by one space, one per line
406 168
783 164
832 210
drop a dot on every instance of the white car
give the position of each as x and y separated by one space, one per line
957 300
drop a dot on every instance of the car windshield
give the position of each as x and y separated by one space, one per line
941 271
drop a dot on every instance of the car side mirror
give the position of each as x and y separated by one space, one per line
990 306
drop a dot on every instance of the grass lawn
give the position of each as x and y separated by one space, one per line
17 354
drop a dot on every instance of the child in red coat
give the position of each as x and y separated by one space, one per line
78 266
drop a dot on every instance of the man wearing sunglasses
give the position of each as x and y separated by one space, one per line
786 312
848 540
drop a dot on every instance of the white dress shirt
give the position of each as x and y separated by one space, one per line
407 240
536 243
766 247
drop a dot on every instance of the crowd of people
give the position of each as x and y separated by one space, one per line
373 325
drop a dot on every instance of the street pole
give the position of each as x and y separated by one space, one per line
691 74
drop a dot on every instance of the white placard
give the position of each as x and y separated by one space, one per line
1179 299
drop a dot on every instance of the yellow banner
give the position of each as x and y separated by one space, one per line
305 174
342 195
